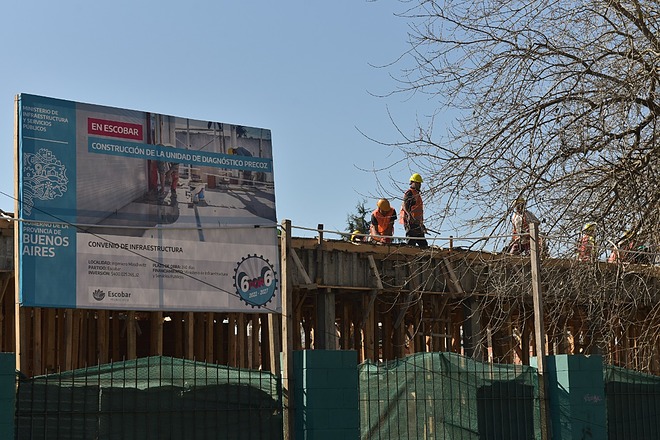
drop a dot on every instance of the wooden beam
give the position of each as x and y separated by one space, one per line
255 361
414 295
37 353
5 278
301 268
208 351
189 335
374 269
325 336
288 328
68 339
21 346
116 335
242 340
102 336
539 331
131 335
156 333
455 282
274 343
232 350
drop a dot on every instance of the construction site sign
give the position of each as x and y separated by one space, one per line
124 209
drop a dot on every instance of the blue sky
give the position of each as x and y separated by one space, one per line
304 70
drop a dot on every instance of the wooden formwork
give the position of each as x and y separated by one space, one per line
385 302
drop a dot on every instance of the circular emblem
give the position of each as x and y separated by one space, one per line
255 280
98 294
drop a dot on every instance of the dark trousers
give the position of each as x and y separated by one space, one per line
415 230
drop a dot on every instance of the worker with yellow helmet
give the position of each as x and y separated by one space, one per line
587 250
623 251
358 236
412 212
381 228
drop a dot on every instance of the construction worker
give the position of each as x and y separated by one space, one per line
623 251
382 222
358 237
412 213
587 250
521 219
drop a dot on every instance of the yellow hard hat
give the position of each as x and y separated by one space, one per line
588 225
230 151
383 204
628 234
355 235
416 178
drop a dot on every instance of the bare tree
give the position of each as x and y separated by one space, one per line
556 101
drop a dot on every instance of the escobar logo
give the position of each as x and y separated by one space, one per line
121 296
98 294
255 280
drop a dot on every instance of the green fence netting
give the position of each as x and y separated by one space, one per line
151 398
448 396
633 404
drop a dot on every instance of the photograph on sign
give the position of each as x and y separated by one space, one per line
143 211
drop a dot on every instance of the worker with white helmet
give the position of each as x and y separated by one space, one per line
412 212
381 228
520 219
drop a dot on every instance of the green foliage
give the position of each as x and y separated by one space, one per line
359 221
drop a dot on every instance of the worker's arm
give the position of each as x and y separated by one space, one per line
374 222
393 217
408 202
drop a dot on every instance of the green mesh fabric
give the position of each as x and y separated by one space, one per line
633 404
151 398
448 396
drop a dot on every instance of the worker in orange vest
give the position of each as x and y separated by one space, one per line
587 250
623 252
382 222
412 213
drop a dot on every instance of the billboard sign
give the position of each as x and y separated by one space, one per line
134 210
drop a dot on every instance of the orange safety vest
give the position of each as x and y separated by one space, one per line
586 248
622 253
416 210
385 225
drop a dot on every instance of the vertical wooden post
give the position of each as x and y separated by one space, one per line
369 329
274 343
190 335
325 337
232 359
102 337
37 353
255 356
76 339
539 329
21 346
208 351
156 334
68 339
242 340
287 329
131 335
116 331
